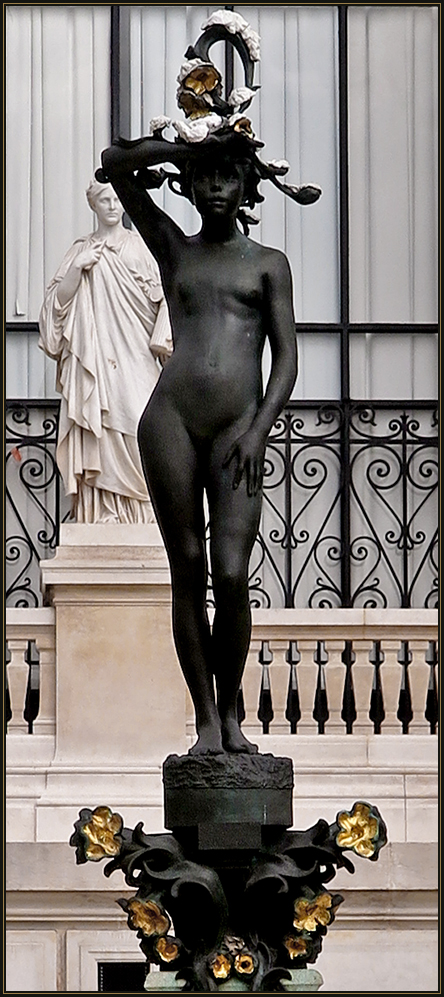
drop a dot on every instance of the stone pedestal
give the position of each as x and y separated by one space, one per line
305 980
110 586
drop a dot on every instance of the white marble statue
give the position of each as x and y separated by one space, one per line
105 320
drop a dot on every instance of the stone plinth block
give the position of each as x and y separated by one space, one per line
228 797
120 690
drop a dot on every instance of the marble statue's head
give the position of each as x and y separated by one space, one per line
104 201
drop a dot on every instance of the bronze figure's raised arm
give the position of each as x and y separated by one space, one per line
206 424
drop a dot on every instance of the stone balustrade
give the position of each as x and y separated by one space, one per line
375 671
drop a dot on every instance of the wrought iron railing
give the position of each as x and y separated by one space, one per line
35 500
358 532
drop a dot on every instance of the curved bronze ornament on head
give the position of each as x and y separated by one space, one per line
219 33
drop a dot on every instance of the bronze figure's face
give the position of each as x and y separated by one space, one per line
218 187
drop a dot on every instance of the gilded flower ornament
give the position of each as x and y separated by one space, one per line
244 964
239 123
311 913
296 946
190 66
362 830
97 834
260 957
167 949
201 79
198 82
220 966
146 916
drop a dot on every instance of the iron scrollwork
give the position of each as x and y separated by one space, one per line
34 497
388 548
387 551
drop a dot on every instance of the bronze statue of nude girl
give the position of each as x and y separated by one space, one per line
206 424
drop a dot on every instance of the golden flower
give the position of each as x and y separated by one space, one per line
220 966
194 107
295 946
148 916
100 833
243 126
202 79
167 949
310 913
360 830
244 964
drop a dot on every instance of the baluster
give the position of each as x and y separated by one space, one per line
265 712
293 710
8 711
44 723
240 707
405 712
431 711
33 691
18 674
321 711
377 711
348 712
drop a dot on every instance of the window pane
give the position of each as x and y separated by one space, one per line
393 136
29 373
390 366
319 367
57 123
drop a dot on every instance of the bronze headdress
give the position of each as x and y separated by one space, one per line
217 125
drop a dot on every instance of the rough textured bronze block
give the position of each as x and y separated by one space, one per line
227 789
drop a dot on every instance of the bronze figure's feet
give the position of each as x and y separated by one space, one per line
209 742
235 741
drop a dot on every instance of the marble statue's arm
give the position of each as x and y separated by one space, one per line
248 450
85 260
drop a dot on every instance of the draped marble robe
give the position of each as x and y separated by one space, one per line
106 340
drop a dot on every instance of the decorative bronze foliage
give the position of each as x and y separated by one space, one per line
276 920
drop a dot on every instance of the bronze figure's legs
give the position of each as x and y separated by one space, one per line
234 521
177 469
